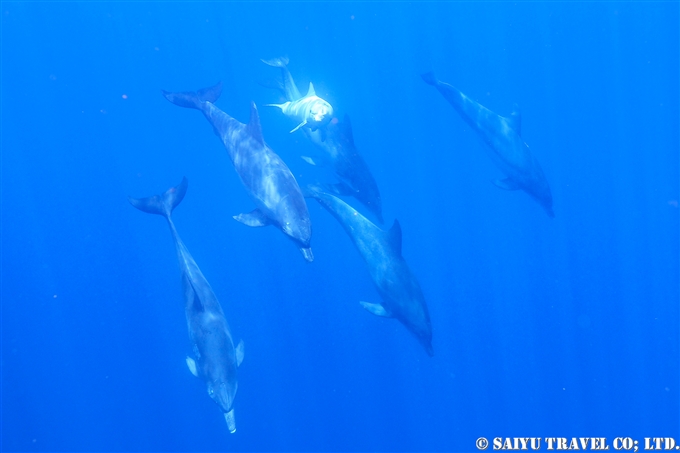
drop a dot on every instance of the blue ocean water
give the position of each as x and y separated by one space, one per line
541 327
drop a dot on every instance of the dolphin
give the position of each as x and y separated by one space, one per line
266 177
399 290
215 358
338 151
309 110
503 135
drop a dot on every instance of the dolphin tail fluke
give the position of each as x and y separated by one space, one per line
430 78
280 62
192 100
162 204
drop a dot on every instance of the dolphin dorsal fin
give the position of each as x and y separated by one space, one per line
394 236
311 91
254 128
346 128
515 120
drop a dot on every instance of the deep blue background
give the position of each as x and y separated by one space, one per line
563 327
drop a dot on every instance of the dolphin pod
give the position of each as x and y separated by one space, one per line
503 136
401 295
280 202
264 174
338 152
215 358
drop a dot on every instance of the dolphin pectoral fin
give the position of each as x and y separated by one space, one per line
304 123
192 366
239 353
376 309
515 120
506 184
255 218
231 421
340 189
280 62
281 106
309 160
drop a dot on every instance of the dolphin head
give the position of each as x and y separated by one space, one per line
223 393
300 232
424 335
320 113
543 196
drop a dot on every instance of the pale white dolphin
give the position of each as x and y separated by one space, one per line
309 110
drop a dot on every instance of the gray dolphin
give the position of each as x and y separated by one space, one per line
339 153
265 175
401 295
215 357
503 135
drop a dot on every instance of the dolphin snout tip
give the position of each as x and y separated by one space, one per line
307 254
231 421
429 350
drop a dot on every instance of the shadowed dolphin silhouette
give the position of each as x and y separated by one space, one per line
401 295
503 136
215 358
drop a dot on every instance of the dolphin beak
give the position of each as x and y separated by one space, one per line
307 253
231 421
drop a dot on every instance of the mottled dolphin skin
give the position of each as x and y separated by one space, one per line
503 135
401 295
339 153
215 357
265 176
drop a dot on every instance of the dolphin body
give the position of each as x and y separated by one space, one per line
310 110
401 295
215 358
265 175
503 135
339 153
